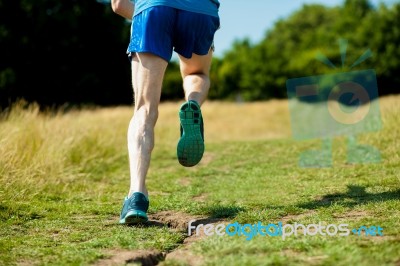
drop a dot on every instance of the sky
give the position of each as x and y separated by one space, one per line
252 18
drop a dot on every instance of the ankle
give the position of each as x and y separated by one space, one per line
143 191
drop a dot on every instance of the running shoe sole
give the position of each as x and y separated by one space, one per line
190 148
134 217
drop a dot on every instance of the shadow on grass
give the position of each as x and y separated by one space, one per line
356 195
218 211
179 220
148 224
181 225
152 223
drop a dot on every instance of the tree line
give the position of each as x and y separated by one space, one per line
73 52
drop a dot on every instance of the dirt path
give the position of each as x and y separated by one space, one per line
176 221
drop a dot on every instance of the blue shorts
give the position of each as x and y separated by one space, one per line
160 30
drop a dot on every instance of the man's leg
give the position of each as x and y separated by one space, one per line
195 74
147 77
196 83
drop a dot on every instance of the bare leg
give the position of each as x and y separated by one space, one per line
147 76
196 83
195 74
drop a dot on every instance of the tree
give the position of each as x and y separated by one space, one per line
74 52
290 49
54 52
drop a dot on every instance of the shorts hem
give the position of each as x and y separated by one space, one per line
196 53
130 54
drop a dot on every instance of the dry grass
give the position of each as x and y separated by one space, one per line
233 121
36 144
81 156
33 142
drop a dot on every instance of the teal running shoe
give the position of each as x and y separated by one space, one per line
191 144
134 210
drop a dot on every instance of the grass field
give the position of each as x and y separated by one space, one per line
63 178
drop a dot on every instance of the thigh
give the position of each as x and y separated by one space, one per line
147 77
196 64
152 32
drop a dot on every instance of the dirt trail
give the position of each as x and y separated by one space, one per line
176 221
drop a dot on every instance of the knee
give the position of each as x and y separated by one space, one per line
194 79
199 74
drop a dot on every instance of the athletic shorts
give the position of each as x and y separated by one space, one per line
160 30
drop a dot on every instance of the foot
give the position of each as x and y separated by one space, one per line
134 210
191 144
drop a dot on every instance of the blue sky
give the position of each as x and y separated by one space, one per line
252 18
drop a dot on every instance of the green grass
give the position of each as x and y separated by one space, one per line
63 178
